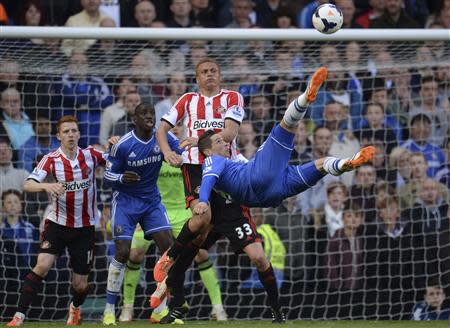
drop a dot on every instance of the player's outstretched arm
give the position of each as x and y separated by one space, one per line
230 130
171 157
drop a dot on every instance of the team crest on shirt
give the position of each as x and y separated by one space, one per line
86 171
197 190
220 110
118 230
156 149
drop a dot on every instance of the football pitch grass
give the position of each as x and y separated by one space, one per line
265 323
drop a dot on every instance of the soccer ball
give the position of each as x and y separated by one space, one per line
327 18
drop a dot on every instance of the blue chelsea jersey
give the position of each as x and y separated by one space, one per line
227 176
144 158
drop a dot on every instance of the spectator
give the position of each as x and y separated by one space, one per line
388 261
246 139
9 74
344 259
282 18
376 10
348 12
177 87
16 123
430 228
40 144
354 60
410 191
400 99
140 74
261 117
336 119
444 17
15 227
116 111
144 13
394 17
302 144
104 54
376 129
82 95
432 307
419 141
315 197
363 191
328 53
242 78
32 14
428 104
126 124
243 14
279 84
202 13
443 175
180 10
10 177
90 16
299 60
4 20
304 17
399 162
268 10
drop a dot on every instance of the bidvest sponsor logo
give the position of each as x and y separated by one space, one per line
208 124
77 185
145 161
170 175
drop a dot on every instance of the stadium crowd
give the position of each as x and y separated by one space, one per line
385 264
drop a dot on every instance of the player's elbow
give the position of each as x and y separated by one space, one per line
28 185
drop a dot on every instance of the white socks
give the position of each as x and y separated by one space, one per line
116 273
334 165
296 110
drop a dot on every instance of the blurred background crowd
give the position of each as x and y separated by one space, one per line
380 264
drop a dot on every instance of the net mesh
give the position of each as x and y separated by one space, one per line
379 272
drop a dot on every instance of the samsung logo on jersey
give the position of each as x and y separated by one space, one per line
206 125
77 185
145 161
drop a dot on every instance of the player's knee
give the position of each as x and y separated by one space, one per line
80 286
202 256
41 269
260 261
137 255
122 251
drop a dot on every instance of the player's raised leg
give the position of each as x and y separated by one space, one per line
297 108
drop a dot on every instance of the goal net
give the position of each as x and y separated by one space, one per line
383 89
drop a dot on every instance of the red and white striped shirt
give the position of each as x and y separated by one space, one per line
200 113
78 206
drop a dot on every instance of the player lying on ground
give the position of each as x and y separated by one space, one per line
266 179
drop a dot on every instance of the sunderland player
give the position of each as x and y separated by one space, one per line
70 224
170 185
133 167
220 110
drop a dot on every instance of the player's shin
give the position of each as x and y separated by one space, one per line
116 272
183 262
131 280
208 275
269 281
184 238
30 287
295 111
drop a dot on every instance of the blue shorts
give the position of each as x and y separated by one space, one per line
127 212
272 179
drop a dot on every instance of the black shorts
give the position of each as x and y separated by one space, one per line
229 218
240 231
80 243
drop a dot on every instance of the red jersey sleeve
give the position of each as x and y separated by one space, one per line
235 107
178 110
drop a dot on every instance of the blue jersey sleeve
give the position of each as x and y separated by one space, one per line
174 143
114 166
212 169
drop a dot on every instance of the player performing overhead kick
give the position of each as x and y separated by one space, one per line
267 178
